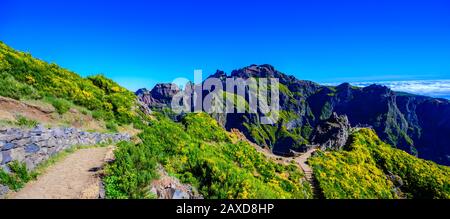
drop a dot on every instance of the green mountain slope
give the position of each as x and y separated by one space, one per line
370 168
24 77
200 152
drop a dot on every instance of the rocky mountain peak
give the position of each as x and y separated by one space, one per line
219 74
160 96
165 90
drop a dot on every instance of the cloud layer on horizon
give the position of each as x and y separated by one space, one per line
433 88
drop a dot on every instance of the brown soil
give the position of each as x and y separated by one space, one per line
10 108
45 114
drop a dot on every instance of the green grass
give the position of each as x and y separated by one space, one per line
18 176
61 105
10 87
25 122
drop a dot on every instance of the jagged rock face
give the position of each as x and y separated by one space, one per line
373 106
332 133
161 95
416 124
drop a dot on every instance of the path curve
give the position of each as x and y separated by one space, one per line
74 177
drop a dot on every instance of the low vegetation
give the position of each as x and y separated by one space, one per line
17 176
25 77
362 170
199 152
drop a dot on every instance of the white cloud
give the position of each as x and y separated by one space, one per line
434 88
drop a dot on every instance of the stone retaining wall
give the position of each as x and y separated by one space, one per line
32 146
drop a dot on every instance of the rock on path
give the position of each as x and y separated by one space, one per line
74 177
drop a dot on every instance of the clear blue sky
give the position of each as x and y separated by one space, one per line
139 43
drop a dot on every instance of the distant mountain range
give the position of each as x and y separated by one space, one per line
432 88
419 125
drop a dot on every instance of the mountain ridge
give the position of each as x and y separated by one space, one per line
399 118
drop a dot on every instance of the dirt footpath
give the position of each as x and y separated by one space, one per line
74 177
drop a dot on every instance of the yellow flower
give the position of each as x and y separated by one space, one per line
30 79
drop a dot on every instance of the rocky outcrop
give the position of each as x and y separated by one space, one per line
168 187
332 133
161 95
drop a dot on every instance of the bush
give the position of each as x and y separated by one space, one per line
130 174
61 105
103 115
25 122
18 176
11 88
111 125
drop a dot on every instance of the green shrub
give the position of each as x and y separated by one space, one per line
25 122
61 105
10 87
130 174
103 115
201 126
111 125
18 176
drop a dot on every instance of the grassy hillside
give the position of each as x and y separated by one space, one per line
370 168
25 77
198 151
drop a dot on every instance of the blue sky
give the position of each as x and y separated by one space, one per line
139 43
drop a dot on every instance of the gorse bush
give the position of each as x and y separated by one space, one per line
202 127
421 178
208 160
11 88
130 174
350 175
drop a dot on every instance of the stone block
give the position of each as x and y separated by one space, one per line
32 148
6 157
